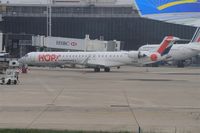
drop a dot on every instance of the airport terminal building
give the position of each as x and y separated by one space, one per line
109 21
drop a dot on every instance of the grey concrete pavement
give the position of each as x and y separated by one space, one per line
159 99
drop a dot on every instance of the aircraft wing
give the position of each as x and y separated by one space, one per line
186 12
102 63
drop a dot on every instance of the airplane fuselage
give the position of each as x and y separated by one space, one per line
101 59
178 51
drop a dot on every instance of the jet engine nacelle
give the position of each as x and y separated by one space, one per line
133 54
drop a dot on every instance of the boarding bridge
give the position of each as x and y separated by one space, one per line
74 44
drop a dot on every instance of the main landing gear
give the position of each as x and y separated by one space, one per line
181 64
97 69
106 69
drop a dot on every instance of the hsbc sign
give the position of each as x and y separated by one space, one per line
68 43
65 43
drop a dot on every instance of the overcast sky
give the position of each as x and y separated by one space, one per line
44 1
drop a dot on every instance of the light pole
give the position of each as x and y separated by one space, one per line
49 17
47 12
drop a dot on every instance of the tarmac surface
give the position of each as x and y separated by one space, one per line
154 99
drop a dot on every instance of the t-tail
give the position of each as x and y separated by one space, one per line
166 45
196 37
161 53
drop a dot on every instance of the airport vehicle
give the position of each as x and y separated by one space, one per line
4 61
98 60
4 56
179 52
11 77
11 74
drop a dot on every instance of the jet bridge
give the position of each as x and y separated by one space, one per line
74 44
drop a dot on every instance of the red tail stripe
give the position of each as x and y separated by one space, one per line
198 40
164 44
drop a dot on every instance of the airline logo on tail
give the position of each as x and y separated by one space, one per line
166 45
196 37
174 3
167 6
198 40
164 48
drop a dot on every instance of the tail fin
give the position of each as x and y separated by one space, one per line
184 12
166 45
147 57
196 37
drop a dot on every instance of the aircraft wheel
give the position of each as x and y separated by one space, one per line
180 64
15 82
107 69
96 69
3 81
9 82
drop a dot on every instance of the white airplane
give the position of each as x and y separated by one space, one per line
180 52
98 60
3 54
